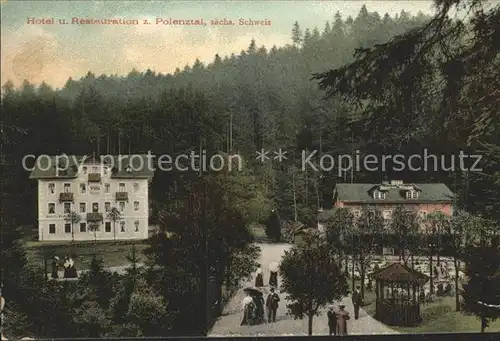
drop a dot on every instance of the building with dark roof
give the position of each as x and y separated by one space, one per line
89 188
424 198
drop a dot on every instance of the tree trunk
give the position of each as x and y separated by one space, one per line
114 230
352 273
45 267
412 261
346 260
431 274
362 278
457 296
72 232
296 218
310 324
483 324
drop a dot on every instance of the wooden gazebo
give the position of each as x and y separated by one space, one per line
398 299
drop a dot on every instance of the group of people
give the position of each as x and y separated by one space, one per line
273 278
337 318
69 268
253 308
253 304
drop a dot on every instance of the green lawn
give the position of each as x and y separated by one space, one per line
438 317
113 253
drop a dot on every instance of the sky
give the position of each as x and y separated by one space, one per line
55 52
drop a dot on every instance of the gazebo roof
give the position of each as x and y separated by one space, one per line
399 273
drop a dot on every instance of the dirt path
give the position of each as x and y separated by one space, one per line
229 323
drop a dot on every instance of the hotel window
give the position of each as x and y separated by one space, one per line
106 188
67 188
107 206
136 225
84 170
83 207
412 194
387 214
121 187
136 187
122 206
67 228
52 228
136 206
83 227
52 188
95 207
52 208
378 195
122 226
107 226
67 208
83 188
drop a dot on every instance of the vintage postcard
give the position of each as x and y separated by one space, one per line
249 168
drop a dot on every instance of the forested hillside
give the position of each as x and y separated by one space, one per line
263 97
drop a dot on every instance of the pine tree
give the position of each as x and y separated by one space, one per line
483 287
307 37
296 34
273 226
252 48
99 283
327 29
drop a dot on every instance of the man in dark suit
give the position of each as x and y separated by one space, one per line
332 321
272 305
356 301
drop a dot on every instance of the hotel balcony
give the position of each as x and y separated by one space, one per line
121 196
64 197
94 216
94 177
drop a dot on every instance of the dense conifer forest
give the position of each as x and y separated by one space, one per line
261 98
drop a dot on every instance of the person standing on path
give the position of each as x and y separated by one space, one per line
259 280
356 301
55 274
332 320
246 307
342 317
272 305
273 275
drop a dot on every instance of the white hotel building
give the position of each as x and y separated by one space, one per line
91 189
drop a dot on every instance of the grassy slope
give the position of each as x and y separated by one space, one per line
112 253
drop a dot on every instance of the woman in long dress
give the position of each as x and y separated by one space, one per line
72 270
66 267
247 309
55 274
259 280
342 317
273 275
